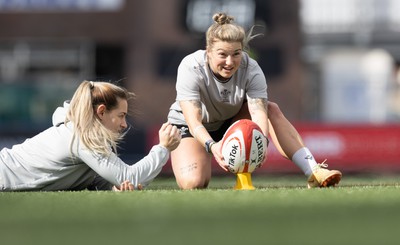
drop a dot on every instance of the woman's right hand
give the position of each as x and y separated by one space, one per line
216 150
170 136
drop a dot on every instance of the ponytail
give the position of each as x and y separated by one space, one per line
82 113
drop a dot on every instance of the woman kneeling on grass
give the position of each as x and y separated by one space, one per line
218 86
79 151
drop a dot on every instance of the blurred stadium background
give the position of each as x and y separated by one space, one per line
331 65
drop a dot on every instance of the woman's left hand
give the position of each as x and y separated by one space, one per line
216 151
126 186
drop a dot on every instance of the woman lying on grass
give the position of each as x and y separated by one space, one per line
79 151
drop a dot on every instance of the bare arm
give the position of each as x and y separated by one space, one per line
259 113
258 108
193 115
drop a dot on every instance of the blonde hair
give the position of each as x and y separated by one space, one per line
225 29
82 113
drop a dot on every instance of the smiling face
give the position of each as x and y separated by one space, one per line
114 119
224 58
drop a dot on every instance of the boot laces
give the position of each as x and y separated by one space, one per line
322 164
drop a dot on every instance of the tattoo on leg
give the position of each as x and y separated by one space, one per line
188 168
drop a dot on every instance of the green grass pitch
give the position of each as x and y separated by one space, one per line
361 210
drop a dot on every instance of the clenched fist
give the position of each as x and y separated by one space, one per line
170 136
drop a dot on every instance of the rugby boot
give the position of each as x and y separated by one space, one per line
323 177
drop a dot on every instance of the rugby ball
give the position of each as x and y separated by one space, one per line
243 146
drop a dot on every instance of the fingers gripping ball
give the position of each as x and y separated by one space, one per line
243 147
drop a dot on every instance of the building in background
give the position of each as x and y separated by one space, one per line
48 47
326 62
352 52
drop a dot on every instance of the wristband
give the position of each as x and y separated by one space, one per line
208 145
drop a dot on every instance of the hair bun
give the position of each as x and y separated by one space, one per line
222 18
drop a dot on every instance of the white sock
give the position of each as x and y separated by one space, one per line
304 160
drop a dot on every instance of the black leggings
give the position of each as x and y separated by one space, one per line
215 135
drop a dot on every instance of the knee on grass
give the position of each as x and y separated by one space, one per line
193 183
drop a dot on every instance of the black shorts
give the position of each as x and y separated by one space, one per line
215 135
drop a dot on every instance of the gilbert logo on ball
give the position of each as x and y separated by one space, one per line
243 146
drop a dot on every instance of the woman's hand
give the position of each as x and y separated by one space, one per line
126 186
216 151
170 136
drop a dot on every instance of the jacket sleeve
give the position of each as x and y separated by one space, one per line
115 171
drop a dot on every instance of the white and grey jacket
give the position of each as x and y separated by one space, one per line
45 162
